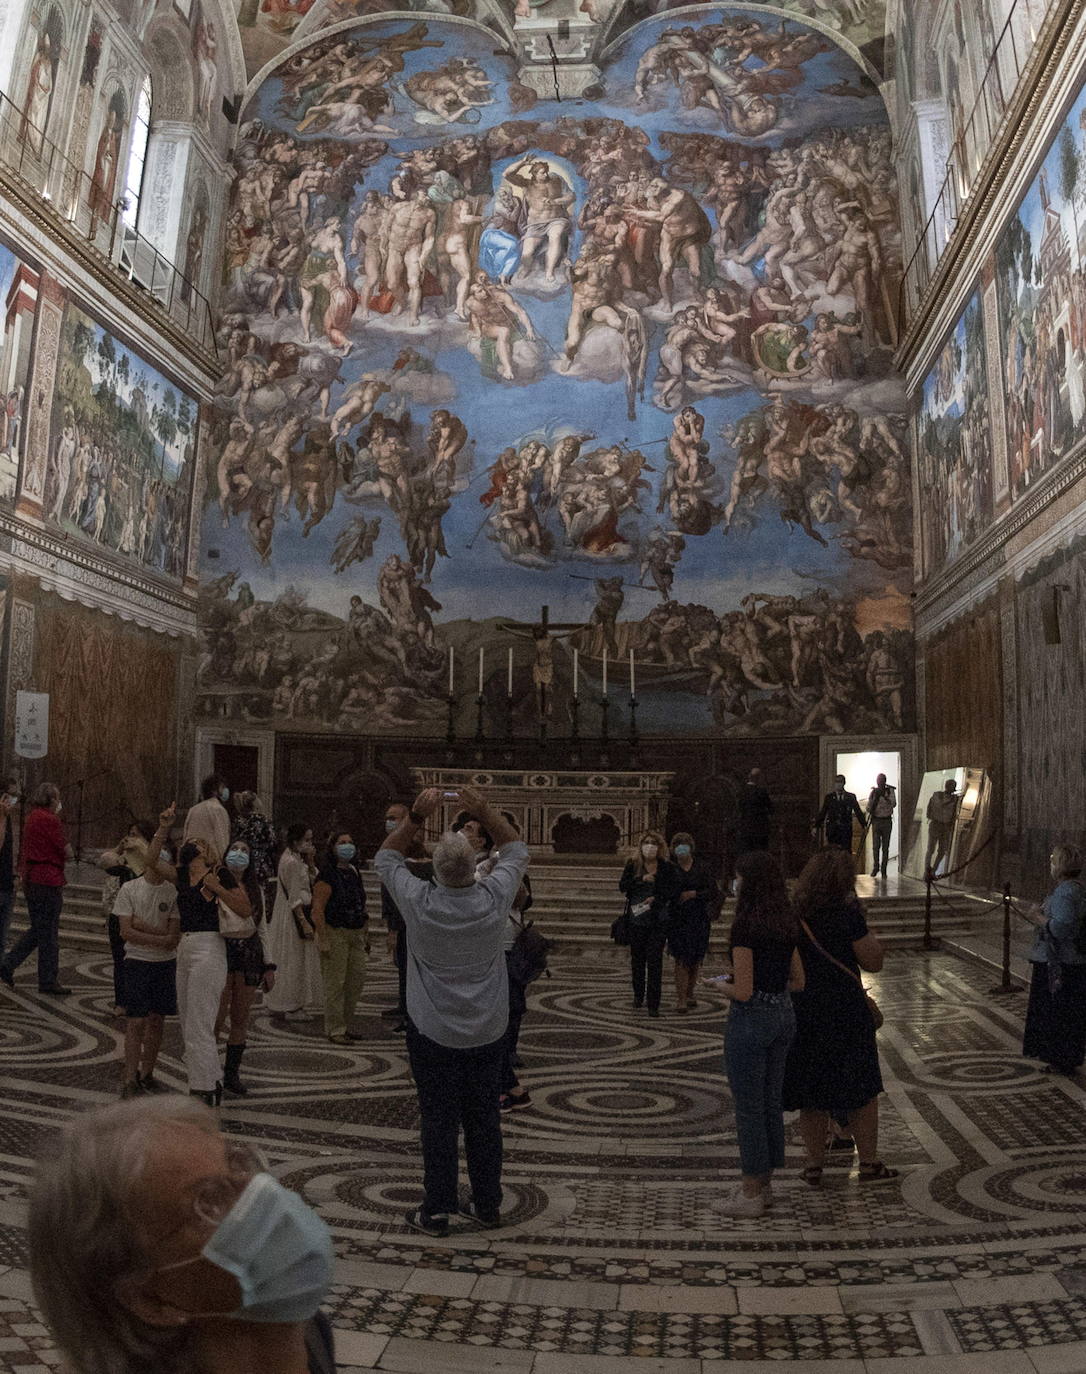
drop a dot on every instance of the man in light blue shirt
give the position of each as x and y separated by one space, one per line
457 1002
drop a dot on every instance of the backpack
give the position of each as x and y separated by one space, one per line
527 960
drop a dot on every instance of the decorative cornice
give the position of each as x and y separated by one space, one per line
50 222
112 583
1056 59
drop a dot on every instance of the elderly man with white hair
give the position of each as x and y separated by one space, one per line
457 1002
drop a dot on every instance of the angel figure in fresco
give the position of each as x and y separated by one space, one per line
453 92
496 318
355 542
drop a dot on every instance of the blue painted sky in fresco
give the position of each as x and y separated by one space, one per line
716 569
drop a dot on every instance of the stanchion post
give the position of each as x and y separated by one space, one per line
1005 984
929 943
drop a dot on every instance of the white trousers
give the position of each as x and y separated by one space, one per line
201 977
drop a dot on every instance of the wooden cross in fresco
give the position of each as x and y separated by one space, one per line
544 660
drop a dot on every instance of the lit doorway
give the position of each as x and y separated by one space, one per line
861 770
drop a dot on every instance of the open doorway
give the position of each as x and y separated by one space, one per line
861 770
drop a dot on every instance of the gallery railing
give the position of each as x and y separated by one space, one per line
93 212
970 144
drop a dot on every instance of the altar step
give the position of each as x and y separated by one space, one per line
574 906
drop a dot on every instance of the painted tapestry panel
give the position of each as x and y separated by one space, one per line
628 360
1042 310
954 444
121 449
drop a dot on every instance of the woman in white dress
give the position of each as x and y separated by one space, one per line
291 937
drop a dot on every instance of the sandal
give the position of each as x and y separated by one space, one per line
878 1172
812 1175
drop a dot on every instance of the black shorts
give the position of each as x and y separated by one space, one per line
246 956
150 988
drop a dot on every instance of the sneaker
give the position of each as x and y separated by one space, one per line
654 1011
489 1221
524 1100
133 1088
437 1225
150 1084
737 1204
340 1039
55 990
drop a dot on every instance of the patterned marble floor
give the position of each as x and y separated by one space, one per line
611 1258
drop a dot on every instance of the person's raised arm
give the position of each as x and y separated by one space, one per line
155 864
403 837
501 830
236 898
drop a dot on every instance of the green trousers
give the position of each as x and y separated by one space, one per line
343 969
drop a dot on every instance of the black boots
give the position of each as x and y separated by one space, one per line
230 1080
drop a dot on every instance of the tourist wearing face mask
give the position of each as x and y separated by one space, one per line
396 937
209 821
340 918
9 800
123 863
838 809
292 940
252 825
146 911
158 1244
41 864
203 884
650 883
696 905
248 971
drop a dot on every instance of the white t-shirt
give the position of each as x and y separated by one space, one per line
153 905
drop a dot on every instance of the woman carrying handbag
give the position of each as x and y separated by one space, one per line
833 1065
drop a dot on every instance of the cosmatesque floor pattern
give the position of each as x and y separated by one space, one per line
611 1256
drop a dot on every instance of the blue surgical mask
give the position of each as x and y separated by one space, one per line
277 1248
237 859
345 851
224 794
391 825
682 850
164 856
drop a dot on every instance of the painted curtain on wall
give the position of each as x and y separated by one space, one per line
121 449
629 360
954 444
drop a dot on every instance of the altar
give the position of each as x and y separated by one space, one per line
582 811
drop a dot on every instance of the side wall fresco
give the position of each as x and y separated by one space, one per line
628 360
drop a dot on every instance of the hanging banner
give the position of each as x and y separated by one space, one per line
31 725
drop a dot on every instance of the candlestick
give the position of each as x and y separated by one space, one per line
576 668
605 707
632 688
480 670
451 660
450 733
634 741
509 684
479 719
605 673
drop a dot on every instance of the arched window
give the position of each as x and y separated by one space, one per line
137 156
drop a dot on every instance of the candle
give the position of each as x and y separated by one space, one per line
451 651
509 688
632 693
480 672
576 666
605 670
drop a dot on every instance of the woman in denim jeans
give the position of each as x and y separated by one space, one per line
766 970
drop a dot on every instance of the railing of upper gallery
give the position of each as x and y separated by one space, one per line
80 205
969 145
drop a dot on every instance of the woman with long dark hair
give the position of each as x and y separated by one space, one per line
650 883
833 1067
766 970
247 969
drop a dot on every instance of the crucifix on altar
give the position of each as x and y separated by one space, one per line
543 636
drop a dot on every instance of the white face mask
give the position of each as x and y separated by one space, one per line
58 808
649 851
